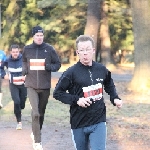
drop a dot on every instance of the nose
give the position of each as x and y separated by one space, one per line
85 52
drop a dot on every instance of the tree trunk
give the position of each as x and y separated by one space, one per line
141 27
93 20
104 36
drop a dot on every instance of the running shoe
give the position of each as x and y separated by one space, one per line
37 146
19 126
32 137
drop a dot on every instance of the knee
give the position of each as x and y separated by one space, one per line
35 116
17 106
22 107
16 100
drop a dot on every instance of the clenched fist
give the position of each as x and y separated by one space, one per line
118 103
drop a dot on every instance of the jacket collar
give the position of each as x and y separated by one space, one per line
20 55
82 65
38 46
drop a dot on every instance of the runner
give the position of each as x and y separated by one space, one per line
81 86
39 60
16 82
2 59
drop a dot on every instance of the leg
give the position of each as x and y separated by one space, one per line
23 96
15 96
98 137
34 101
43 100
80 139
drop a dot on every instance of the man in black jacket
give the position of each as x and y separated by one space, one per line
81 86
39 60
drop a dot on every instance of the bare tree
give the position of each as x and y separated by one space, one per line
93 20
104 35
141 29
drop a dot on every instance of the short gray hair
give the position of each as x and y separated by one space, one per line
83 38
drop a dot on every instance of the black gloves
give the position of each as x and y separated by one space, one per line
24 72
48 67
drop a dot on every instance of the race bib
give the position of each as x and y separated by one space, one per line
94 91
37 64
18 80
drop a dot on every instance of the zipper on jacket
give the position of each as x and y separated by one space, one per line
90 76
37 70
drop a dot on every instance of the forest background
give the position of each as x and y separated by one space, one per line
119 28
63 21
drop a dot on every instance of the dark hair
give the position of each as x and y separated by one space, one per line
37 29
14 46
83 38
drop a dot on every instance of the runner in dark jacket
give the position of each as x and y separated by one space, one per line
81 86
38 77
39 60
16 82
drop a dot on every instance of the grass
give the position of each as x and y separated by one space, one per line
56 112
129 125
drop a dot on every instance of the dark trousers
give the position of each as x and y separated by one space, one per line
90 138
19 96
38 100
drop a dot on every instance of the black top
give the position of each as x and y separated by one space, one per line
14 67
39 79
92 78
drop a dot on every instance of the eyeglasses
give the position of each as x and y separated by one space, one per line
85 50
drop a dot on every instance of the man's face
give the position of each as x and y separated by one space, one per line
15 53
38 38
85 52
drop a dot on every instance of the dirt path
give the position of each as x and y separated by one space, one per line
55 136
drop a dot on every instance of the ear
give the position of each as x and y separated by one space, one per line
93 50
77 52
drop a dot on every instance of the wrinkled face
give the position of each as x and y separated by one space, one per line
15 53
38 38
85 52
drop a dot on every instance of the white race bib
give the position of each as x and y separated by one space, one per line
37 64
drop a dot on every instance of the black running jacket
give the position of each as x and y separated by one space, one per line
85 81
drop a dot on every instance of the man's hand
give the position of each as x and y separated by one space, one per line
118 103
23 78
6 77
48 67
84 102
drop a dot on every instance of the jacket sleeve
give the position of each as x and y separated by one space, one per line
3 72
109 87
61 91
24 64
55 61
